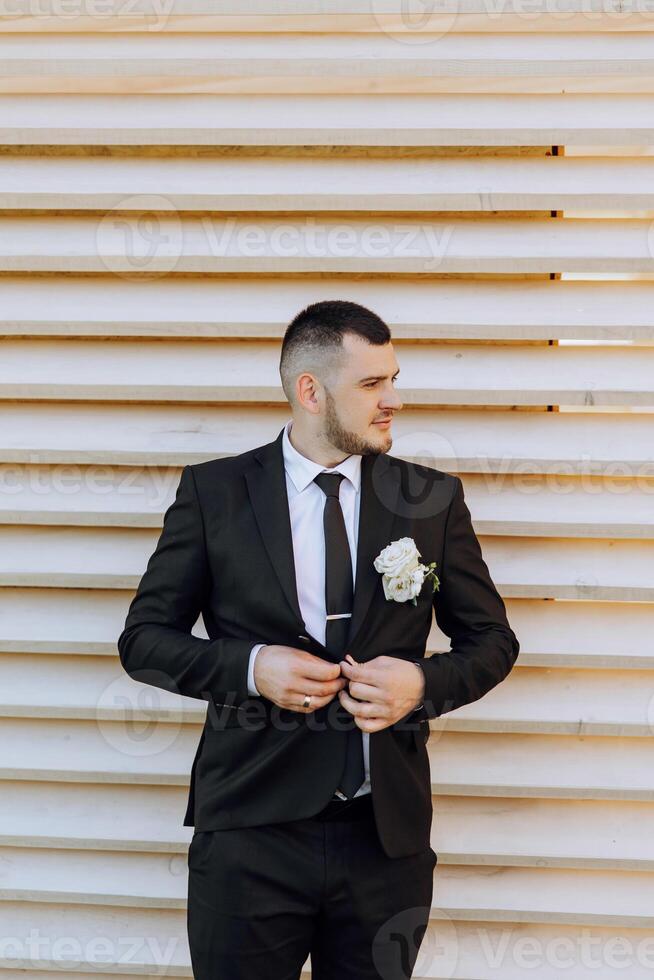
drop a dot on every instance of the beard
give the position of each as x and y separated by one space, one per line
342 438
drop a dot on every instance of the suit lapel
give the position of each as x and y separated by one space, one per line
266 480
380 485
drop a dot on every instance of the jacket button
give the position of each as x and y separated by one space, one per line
303 637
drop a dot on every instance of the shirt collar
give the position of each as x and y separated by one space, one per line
302 470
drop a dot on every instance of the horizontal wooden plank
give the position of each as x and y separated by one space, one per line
388 16
450 375
102 940
489 892
266 184
558 634
588 507
513 832
65 687
63 750
479 949
526 832
41 971
119 497
88 816
462 763
133 880
451 309
558 702
325 64
487 950
113 558
63 621
611 898
346 120
564 767
456 441
234 245
552 633
531 700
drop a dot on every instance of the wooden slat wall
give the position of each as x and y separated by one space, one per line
502 158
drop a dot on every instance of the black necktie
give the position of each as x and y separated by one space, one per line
339 596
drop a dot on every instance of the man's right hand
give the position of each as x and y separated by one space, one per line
285 675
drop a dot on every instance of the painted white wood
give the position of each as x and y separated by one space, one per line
232 244
262 308
101 751
556 634
451 952
136 880
552 634
389 16
532 699
328 184
80 621
565 767
63 687
106 558
348 120
559 702
488 892
135 941
512 831
325 64
215 371
592 507
89 816
526 832
122 497
456 441
546 895
462 763
542 789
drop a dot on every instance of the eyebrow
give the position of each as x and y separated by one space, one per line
378 377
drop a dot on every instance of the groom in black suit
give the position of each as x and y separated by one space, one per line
310 790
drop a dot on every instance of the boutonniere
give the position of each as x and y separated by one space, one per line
402 574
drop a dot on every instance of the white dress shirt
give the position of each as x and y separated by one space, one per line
306 502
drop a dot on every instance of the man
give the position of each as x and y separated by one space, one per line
310 790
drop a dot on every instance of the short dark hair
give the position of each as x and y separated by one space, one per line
314 338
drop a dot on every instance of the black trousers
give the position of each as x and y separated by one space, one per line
260 899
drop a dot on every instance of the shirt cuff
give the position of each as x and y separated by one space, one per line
252 687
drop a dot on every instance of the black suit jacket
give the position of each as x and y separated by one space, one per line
226 551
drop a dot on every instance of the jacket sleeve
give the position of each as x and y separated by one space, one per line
156 645
469 610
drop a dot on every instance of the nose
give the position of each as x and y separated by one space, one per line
393 401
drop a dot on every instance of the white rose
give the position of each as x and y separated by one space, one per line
398 559
403 587
398 589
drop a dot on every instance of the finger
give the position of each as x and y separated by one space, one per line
315 668
296 703
363 709
366 692
372 724
298 687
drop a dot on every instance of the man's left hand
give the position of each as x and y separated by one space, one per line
381 691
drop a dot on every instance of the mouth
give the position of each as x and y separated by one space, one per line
383 421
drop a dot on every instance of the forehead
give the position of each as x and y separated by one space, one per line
372 358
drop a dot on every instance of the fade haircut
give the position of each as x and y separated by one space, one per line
313 340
